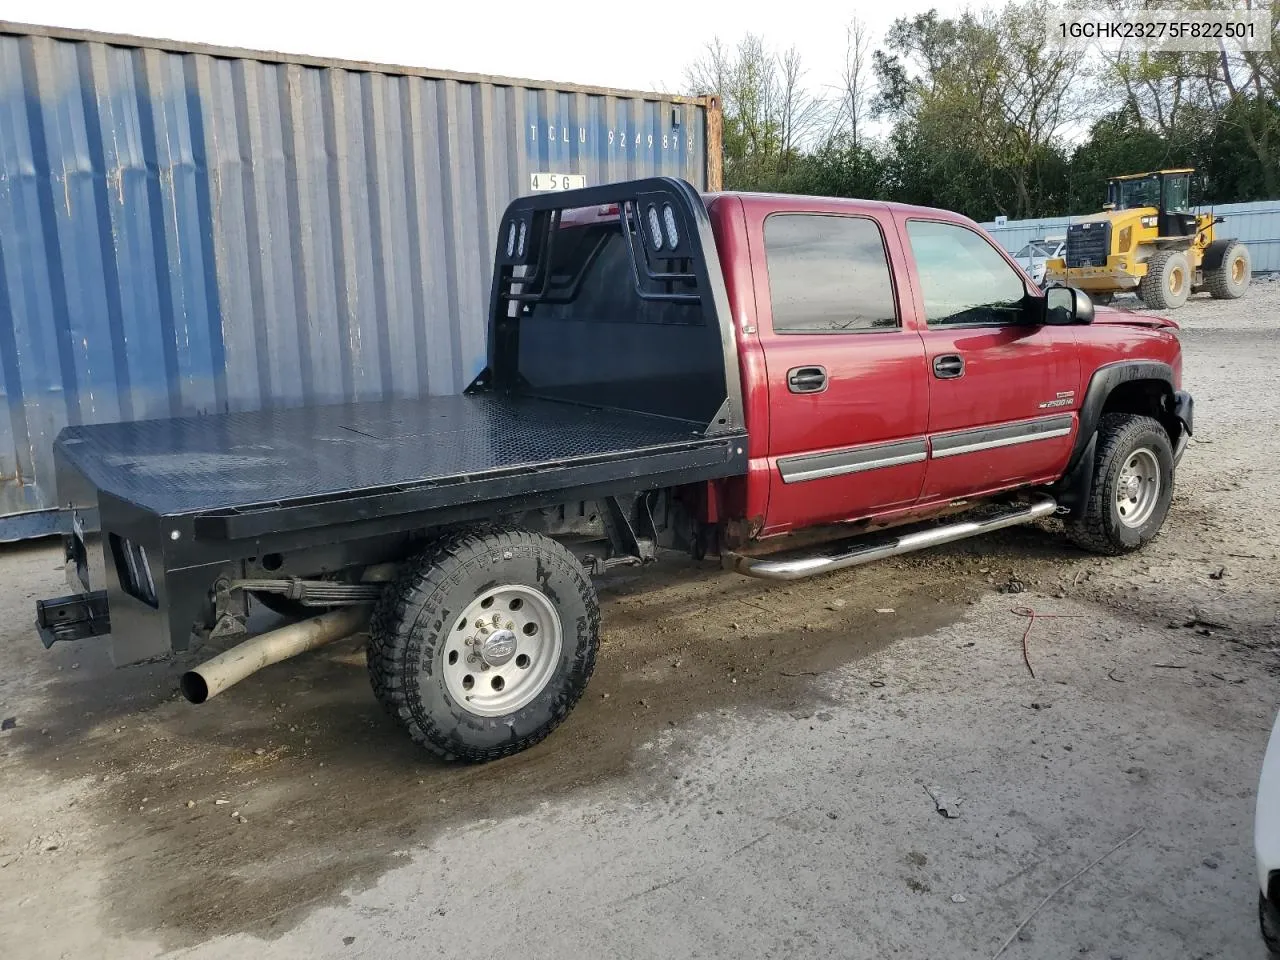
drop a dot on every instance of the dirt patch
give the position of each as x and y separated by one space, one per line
293 787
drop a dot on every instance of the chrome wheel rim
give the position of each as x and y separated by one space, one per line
1138 488
502 650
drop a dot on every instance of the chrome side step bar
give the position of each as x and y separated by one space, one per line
795 567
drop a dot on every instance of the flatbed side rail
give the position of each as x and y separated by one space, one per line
675 464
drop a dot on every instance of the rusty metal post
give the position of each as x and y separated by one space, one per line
715 143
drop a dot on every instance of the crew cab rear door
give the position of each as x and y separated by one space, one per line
847 383
1003 391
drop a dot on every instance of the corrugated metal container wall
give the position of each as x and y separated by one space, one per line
186 229
1256 225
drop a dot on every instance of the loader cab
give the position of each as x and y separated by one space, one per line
1168 192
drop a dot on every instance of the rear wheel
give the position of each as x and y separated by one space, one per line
1230 279
485 643
1168 281
1132 486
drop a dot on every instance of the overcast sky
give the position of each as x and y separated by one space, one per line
623 45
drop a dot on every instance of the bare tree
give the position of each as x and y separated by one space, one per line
770 115
1043 92
800 113
712 72
855 83
1161 90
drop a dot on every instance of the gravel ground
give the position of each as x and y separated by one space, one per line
752 773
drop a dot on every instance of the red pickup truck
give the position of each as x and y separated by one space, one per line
794 384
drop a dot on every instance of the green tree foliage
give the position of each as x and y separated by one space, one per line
1120 143
977 113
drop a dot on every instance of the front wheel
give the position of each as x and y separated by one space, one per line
1132 486
1168 281
485 643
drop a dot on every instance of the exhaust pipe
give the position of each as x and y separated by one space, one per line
839 557
231 666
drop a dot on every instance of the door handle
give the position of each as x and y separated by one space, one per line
948 366
807 379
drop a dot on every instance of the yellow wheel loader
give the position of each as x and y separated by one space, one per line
1148 240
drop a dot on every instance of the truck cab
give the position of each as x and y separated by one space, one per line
1161 200
896 360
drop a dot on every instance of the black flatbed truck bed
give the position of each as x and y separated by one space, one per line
612 372
244 475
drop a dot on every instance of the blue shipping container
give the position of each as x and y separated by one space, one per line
188 229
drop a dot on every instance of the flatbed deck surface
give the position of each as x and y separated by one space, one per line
242 460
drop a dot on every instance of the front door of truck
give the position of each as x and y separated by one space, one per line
1002 391
848 390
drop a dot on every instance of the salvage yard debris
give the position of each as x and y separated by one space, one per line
1032 617
946 807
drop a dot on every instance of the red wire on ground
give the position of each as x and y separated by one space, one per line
1032 617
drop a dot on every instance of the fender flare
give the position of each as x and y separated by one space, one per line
1077 480
1215 252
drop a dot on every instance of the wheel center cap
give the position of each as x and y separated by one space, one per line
1132 487
498 647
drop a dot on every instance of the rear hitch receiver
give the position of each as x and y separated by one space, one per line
77 617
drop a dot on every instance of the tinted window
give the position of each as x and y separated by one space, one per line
827 274
962 277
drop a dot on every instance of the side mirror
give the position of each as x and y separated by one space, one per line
1067 305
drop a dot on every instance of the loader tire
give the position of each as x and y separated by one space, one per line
1168 281
485 643
1230 279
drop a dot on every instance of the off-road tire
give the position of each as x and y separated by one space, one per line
1221 281
1097 526
1153 289
1269 923
411 622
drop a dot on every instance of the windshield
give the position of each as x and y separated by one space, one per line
1137 193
